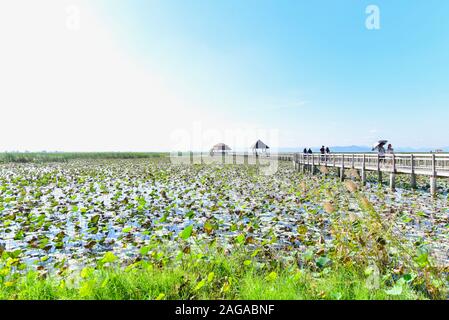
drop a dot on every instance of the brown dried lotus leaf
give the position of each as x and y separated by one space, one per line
328 207
365 203
351 186
324 170
354 174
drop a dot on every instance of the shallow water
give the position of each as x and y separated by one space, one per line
75 212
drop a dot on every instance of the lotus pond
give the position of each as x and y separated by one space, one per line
151 229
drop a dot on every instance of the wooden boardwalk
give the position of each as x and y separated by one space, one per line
433 165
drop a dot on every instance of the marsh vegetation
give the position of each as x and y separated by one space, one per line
151 229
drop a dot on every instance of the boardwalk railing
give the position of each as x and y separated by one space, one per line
432 165
429 164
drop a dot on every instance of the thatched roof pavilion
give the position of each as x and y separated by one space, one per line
220 147
260 145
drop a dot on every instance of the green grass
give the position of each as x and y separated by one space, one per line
196 276
25 157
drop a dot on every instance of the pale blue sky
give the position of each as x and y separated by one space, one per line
304 66
309 69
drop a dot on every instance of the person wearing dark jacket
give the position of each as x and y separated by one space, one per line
322 150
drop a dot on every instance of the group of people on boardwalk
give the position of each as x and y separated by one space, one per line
325 151
381 151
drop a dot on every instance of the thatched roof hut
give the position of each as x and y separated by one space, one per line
219 147
260 145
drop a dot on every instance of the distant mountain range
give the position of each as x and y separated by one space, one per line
350 149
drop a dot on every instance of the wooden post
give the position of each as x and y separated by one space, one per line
433 178
353 160
364 170
342 169
313 164
412 174
303 167
379 172
191 157
245 158
308 162
234 158
393 174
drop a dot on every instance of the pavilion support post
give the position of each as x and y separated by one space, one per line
363 173
412 174
191 157
342 169
433 178
245 159
257 159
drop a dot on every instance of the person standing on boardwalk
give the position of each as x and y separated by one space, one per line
322 151
390 149
381 152
305 151
309 151
328 151
379 146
